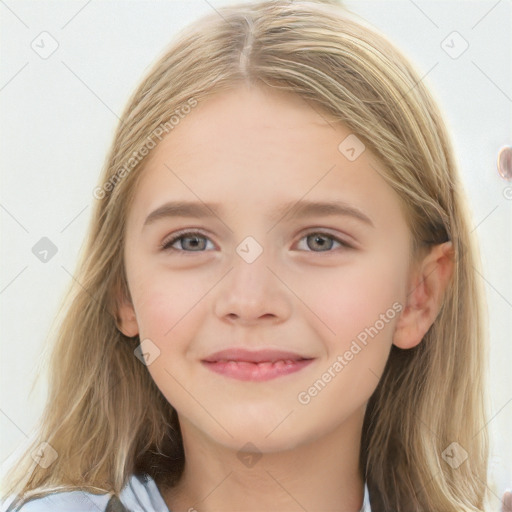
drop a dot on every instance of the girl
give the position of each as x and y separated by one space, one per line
319 345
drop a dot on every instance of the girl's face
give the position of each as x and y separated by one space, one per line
326 284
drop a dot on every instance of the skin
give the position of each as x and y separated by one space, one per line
252 150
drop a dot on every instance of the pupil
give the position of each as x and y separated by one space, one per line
320 240
194 241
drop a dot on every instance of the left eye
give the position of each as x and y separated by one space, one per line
323 241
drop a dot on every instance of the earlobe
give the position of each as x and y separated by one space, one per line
126 319
425 296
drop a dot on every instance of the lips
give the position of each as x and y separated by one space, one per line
259 365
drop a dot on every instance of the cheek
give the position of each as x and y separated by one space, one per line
362 309
167 314
352 300
165 300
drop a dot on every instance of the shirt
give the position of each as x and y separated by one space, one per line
140 494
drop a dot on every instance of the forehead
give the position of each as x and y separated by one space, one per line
256 148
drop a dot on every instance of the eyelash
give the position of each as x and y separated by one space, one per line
167 244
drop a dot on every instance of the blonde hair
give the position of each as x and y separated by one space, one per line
106 418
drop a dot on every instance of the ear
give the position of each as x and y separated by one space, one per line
426 291
126 319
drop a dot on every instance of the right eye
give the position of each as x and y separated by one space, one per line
192 239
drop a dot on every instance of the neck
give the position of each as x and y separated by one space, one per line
320 475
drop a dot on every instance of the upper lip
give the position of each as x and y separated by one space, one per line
253 356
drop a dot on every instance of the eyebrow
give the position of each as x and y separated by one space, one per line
300 209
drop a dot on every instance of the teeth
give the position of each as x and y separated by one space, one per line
279 364
264 364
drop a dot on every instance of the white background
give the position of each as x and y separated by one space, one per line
59 115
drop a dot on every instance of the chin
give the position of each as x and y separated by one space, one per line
268 432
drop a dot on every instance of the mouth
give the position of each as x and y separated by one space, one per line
260 365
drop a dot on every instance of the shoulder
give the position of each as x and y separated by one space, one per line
140 494
66 501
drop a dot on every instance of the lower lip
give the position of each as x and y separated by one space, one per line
243 370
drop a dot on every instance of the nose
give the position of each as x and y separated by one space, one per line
252 292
